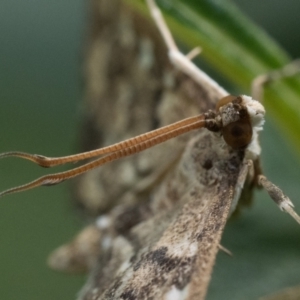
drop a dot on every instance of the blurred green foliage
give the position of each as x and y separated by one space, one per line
266 253
238 49
39 94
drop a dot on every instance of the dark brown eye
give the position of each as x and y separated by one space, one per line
238 134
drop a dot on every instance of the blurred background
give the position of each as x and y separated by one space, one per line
40 92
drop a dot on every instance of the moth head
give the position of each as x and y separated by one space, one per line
242 117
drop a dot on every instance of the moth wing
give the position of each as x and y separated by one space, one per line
170 255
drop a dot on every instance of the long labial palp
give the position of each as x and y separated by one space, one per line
117 151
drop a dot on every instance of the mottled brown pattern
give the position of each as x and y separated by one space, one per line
166 207
198 219
81 254
130 88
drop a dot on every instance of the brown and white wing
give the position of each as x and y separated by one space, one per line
171 255
164 245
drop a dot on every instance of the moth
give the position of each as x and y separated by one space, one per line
165 248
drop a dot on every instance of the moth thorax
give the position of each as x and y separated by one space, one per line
237 128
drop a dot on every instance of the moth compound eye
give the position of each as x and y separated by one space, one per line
238 134
237 127
225 100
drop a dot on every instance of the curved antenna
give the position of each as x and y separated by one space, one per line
56 178
259 82
47 162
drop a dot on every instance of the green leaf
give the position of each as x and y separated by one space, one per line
236 48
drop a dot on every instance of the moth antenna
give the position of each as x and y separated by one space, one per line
56 178
283 202
258 83
179 60
47 162
162 26
193 53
